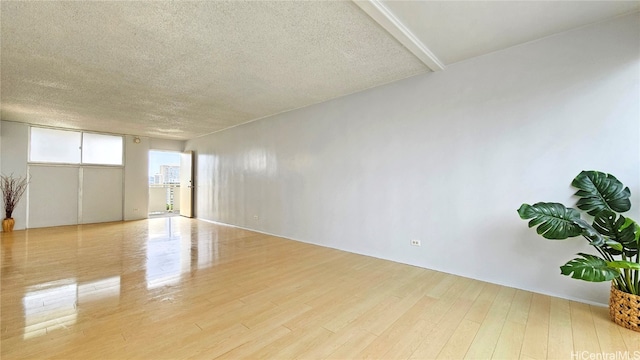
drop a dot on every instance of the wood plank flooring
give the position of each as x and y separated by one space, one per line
176 288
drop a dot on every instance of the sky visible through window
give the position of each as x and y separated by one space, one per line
158 158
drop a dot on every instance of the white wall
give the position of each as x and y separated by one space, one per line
446 158
14 152
166 144
136 178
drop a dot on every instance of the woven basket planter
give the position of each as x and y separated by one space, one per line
624 309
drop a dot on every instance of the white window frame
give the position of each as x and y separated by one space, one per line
81 163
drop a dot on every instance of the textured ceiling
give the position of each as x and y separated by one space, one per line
178 70
183 69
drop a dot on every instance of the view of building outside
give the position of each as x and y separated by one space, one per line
164 167
169 174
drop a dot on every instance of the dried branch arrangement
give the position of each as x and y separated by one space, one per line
12 190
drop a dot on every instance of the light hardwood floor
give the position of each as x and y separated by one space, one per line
173 288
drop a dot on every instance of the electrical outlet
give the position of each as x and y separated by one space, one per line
415 242
256 217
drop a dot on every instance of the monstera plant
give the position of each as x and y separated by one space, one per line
614 237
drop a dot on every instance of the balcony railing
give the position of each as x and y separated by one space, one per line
164 198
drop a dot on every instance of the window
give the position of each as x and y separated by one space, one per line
74 147
101 149
55 146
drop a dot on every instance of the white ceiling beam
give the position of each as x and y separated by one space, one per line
383 16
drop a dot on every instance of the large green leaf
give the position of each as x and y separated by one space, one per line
636 229
589 268
619 229
599 191
554 220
